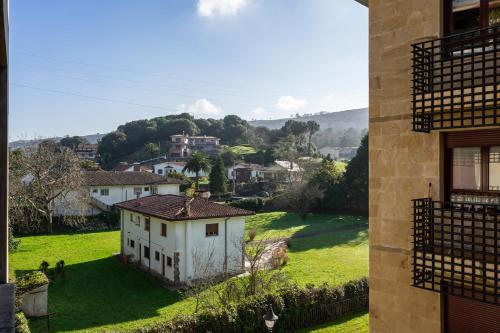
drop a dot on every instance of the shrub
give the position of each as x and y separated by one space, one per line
22 323
13 242
251 234
44 266
253 204
60 268
296 307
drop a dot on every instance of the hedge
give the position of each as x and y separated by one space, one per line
22 323
31 281
296 307
253 204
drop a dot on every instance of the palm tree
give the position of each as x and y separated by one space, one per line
197 162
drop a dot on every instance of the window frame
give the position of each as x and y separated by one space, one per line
146 254
484 139
157 256
169 261
484 13
211 233
163 231
104 192
132 244
147 223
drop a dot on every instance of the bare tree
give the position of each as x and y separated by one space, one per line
299 197
46 176
205 276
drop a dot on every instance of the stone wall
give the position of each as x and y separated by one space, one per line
402 164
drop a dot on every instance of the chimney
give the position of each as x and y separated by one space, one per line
137 167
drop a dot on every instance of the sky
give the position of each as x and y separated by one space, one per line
86 66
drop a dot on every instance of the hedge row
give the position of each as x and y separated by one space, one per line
253 204
296 307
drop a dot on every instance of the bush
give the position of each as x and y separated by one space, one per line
251 234
253 204
44 266
296 307
13 242
22 323
30 281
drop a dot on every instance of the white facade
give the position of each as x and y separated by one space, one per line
105 196
186 240
254 173
165 168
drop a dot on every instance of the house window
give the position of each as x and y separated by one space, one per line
137 190
95 191
147 224
104 191
164 229
131 217
473 165
169 261
160 171
146 189
132 243
157 256
212 229
146 252
465 15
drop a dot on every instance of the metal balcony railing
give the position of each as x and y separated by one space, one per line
455 81
456 249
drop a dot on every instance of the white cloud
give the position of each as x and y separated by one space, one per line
259 111
201 108
289 103
211 8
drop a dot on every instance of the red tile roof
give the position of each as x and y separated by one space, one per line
172 208
99 178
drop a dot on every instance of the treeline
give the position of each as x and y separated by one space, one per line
135 135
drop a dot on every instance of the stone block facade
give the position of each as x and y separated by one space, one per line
402 165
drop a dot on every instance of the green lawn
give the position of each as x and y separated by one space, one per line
352 324
243 150
99 293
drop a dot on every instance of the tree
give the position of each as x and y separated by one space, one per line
300 197
229 157
287 149
312 127
355 184
197 162
217 177
329 177
47 175
89 165
152 148
72 142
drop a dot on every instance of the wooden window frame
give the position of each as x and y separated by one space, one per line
164 229
483 139
208 229
147 223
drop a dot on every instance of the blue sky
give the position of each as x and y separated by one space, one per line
86 66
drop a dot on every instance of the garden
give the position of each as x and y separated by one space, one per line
99 293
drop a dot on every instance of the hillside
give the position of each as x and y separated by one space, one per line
92 138
357 119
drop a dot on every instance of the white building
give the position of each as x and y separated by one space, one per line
105 188
245 172
176 237
164 168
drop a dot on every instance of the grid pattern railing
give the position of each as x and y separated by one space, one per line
455 81
457 246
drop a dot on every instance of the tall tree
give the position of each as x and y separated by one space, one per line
152 148
197 162
355 183
217 178
52 174
312 127
72 142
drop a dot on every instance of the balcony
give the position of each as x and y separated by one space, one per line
456 249
456 80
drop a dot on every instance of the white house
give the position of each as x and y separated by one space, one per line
164 168
244 172
175 236
105 188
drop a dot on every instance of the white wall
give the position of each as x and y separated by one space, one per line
176 168
188 239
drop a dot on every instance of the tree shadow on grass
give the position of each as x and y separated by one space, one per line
103 292
350 237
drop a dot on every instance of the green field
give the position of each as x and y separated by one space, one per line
351 324
99 293
243 150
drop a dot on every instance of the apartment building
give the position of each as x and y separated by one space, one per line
434 142
182 145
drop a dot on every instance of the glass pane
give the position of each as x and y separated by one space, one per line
467 168
466 20
494 173
465 4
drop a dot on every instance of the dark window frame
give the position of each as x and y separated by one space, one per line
211 229
483 139
132 243
169 261
164 230
484 11
147 223
157 256
146 252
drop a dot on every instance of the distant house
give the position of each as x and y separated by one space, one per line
245 172
176 236
86 151
164 168
126 167
281 171
182 145
105 188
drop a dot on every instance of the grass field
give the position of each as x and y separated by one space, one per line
357 323
99 293
243 150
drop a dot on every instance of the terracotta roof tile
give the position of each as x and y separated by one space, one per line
99 178
172 208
